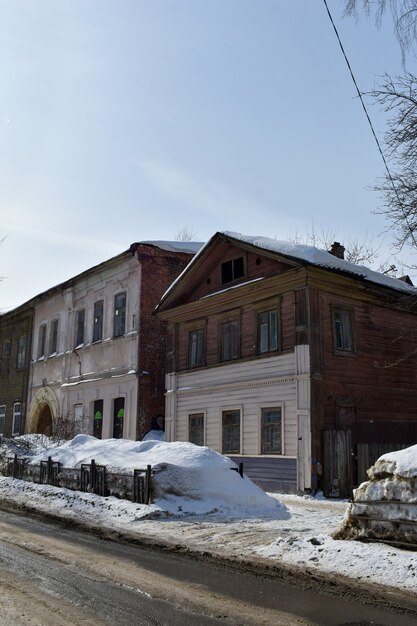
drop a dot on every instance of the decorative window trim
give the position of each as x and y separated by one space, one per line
268 406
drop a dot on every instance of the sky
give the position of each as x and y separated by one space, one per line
199 503
130 120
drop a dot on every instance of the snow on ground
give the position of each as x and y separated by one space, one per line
292 530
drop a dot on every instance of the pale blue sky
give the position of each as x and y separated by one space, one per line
124 120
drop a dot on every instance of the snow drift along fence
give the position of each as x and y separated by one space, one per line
90 478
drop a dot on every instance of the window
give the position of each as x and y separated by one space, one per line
118 417
80 328
268 323
230 340
16 419
53 337
119 314
2 418
21 351
231 432
271 431
5 357
196 351
343 330
41 341
98 419
196 428
78 418
232 270
98 321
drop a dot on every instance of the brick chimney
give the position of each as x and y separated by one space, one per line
337 250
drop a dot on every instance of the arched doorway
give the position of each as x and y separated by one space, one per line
43 411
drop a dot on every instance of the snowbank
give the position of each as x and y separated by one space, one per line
185 478
385 507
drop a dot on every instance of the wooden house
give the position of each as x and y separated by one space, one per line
290 359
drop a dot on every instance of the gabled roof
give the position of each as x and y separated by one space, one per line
298 253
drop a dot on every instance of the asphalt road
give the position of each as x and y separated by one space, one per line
56 576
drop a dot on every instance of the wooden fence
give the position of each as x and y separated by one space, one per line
90 478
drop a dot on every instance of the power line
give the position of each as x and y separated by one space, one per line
369 121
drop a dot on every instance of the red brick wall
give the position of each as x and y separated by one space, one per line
159 269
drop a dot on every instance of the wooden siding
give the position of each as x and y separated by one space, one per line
271 474
247 386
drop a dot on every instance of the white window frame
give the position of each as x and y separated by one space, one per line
271 405
3 409
15 414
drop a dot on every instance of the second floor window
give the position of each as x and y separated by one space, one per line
196 352
80 327
119 315
42 341
268 323
98 321
230 340
5 357
53 337
343 330
21 351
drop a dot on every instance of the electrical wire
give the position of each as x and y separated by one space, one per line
370 122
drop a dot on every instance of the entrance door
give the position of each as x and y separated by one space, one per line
118 417
98 419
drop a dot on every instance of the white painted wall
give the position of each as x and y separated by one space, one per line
281 380
102 370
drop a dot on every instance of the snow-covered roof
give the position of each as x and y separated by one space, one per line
321 258
192 247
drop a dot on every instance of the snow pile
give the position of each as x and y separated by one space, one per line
385 507
185 478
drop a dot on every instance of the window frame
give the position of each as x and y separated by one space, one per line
233 262
53 337
225 412
21 361
16 433
3 414
199 414
42 331
341 349
79 328
273 310
119 312
5 356
262 409
98 318
224 330
199 359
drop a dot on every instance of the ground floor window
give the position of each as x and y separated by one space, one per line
271 430
2 418
98 419
78 418
17 415
118 417
231 432
196 428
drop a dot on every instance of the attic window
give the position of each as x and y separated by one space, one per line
232 270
